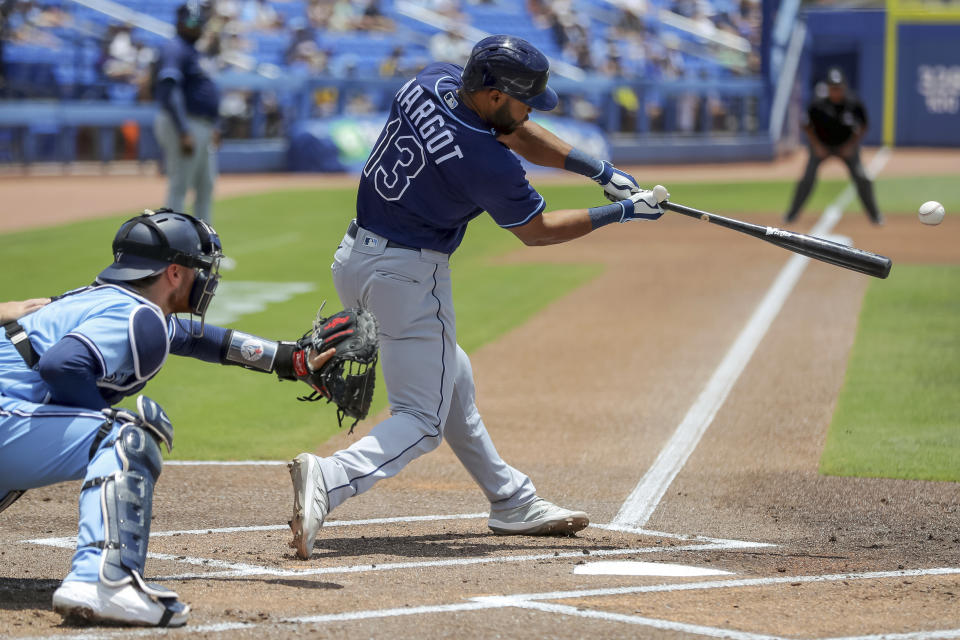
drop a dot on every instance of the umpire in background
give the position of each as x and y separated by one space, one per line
835 126
186 125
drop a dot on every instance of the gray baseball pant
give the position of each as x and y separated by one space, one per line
428 376
196 171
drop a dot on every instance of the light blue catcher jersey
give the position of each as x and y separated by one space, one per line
436 166
127 334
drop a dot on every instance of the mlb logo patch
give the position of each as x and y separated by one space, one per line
370 241
449 98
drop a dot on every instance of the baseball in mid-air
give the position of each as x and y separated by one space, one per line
931 212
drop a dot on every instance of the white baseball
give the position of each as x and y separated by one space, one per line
660 193
931 212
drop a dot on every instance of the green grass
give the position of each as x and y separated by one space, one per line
898 415
229 413
895 196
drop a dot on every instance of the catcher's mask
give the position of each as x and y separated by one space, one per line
147 244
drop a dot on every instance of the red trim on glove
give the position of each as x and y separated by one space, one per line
335 322
331 338
300 363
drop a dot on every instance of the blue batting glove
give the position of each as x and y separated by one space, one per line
616 184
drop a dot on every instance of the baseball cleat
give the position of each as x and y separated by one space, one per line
309 502
97 603
537 518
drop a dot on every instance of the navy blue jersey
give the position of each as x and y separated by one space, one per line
180 62
436 166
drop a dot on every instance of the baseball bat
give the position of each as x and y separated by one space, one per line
821 249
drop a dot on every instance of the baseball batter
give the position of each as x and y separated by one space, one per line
446 155
64 364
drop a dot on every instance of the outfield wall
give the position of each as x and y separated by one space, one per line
914 102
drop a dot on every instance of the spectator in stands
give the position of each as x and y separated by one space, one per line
450 46
319 13
372 17
390 67
187 123
344 16
6 10
309 58
259 15
300 31
121 55
836 123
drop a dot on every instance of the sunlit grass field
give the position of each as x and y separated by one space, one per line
290 237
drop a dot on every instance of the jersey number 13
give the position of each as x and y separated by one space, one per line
395 161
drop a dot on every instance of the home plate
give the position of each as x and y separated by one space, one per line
630 568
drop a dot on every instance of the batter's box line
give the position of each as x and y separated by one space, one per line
234 569
70 541
240 569
538 602
245 570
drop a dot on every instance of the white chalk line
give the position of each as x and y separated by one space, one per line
238 569
535 601
646 496
245 570
655 623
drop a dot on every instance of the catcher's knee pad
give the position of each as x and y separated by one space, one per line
126 498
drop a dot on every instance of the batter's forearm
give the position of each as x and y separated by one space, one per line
554 227
538 145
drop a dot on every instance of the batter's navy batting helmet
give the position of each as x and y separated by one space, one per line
149 243
511 65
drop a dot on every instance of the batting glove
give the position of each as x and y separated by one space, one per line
616 184
643 205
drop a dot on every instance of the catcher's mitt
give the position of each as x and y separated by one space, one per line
347 379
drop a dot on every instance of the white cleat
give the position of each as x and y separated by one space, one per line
97 603
309 503
537 518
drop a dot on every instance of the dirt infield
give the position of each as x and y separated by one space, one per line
807 555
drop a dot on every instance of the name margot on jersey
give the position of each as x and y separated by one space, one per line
432 130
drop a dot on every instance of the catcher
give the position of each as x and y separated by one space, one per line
63 366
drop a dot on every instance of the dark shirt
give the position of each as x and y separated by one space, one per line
834 124
437 166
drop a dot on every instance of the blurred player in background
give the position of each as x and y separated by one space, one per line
835 126
445 156
186 125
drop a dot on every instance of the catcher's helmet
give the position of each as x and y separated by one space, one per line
147 244
513 66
